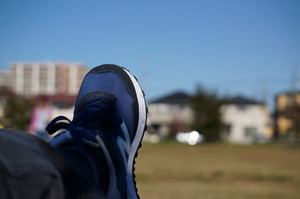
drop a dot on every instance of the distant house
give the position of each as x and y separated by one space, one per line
287 113
169 114
246 121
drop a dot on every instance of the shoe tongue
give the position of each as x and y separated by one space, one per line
103 96
96 110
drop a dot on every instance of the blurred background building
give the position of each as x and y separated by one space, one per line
168 115
47 78
287 115
26 82
246 121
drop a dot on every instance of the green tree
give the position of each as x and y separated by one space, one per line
206 106
17 112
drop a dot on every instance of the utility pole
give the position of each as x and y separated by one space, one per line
265 91
294 110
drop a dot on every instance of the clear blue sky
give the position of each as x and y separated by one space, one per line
234 46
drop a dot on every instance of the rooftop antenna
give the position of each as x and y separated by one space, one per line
265 92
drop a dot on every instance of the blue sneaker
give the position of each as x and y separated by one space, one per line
108 126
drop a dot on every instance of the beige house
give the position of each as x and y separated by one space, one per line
284 121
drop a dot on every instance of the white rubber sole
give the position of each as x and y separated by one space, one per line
138 137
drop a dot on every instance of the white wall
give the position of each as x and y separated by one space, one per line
240 118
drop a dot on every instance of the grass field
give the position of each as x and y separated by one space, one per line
218 171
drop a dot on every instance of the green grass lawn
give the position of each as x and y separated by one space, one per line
218 171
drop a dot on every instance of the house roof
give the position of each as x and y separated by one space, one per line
289 92
174 98
240 100
183 98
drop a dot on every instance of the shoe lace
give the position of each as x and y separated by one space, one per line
85 129
97 114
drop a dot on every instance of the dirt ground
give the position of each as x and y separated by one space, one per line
218 171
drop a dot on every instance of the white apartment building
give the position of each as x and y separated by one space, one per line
46 78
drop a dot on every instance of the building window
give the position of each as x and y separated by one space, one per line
227 129
290 100
250 131
242 107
